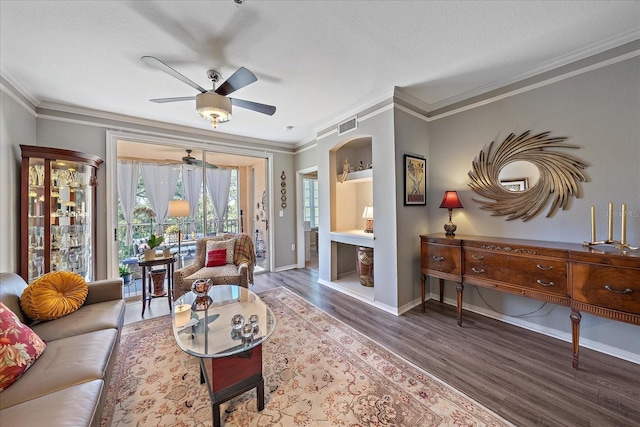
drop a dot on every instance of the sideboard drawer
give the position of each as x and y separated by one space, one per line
539 274
486 265
516 271
616 288
441 258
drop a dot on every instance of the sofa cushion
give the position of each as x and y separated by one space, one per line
66 363
216 258
229 245
89 318
71 407
19 347
54 295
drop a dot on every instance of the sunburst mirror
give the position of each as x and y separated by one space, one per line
558 176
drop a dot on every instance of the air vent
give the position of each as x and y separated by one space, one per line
347 126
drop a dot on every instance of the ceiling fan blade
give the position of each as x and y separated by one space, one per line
200 163
180 98
155 62
255 106
241 78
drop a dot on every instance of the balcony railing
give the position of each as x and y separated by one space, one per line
143 230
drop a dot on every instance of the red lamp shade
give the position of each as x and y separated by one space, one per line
451 200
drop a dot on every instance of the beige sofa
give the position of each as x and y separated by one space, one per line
67 385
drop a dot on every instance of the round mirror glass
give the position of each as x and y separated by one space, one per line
519 176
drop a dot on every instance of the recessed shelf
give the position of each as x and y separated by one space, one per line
357 176
353 237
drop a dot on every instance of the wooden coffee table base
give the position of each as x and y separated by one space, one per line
230 376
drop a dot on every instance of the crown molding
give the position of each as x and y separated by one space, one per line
12 93
621 47
20 87
549 66
331 126
121 118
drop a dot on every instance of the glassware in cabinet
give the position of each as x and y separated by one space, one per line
58 229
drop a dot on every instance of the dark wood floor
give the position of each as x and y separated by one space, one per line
521 375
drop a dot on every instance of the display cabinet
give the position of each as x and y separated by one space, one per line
57 212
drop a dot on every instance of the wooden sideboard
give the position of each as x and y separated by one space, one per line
600 280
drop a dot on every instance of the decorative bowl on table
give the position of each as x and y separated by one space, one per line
201 288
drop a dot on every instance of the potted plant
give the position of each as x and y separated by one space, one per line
153 242
125 273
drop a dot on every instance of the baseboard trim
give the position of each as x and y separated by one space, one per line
377 304
551 332
286 267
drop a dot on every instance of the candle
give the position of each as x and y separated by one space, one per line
593 223
610 221
183 314
623 237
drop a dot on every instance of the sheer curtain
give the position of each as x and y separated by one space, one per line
127 171
160 183
192 183
218 181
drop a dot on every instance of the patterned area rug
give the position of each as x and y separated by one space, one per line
318 372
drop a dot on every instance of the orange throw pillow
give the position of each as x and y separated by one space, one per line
54 295
19 347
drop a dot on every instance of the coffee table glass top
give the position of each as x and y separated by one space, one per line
229 320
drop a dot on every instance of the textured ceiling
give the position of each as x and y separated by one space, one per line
316 61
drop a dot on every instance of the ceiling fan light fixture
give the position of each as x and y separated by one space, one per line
213 107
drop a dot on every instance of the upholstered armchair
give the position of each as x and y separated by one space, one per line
239 273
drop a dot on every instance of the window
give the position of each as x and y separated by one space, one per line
310 200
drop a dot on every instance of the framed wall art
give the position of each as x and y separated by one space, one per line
415 192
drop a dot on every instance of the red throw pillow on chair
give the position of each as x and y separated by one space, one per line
216 258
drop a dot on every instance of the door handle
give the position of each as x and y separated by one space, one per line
477 270
437 258
544 268
478 257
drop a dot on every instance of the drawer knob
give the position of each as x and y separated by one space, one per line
618 291
540 282
477 270
478 257
544 268
437 258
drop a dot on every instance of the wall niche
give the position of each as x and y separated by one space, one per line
353 186
352 191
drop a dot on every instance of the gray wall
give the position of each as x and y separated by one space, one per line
285 226
600 112
17 126
411 137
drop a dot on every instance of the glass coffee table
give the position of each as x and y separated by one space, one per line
225 329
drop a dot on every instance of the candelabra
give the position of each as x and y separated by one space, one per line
621 244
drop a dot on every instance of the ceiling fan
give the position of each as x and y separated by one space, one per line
192 161
214 105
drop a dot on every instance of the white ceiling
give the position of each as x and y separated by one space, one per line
316 61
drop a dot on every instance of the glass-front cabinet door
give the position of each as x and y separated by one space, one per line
58 211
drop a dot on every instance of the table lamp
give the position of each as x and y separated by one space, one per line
368 219
450 201
178 209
